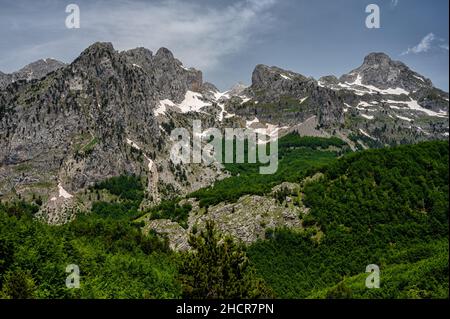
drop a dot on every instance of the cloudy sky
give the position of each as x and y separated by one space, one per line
227 38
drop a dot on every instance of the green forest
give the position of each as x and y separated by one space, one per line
383 207
387 207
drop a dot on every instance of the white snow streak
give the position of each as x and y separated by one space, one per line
63 192
369 117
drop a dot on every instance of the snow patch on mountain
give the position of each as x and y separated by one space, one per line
303 99
404 118
162 107
133 144
192 102
370 89
419 78
63 193
286 77
414 105
250 123
367 134
369 117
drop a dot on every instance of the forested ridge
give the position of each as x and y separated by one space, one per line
387 207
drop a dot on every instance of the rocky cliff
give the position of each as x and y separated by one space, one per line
64 128
387 103
93 119
32 71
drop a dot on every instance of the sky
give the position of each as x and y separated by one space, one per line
226 38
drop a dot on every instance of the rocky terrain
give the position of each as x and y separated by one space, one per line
33 71
388 103
246 220
96 118
64 128
380 103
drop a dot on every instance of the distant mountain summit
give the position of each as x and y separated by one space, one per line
381 71
237 89
380 80
286 98
103 115
32 71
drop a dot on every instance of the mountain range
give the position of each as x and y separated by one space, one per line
66 127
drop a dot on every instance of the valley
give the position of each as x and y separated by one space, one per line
87 178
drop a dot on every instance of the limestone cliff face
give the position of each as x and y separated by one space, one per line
64 127
379 70
170 78
289 98
91 120
387 103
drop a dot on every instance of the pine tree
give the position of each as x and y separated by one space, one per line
218 268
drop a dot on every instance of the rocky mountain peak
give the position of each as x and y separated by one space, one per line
329 80
380 71
264 76
285 97
172 78
38 69
167 76
377 58
164 53
209 87
139 57
33 71
237 89
140 53
98 49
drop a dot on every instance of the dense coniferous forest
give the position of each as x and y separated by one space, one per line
387 207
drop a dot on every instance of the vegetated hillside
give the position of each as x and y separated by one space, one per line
115 259
387 207
298 156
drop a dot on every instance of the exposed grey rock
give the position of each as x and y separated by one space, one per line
287 98
209 87
176 235
386 103
292 188
329 80
380 71
246 221
5 79
92 120
32 71
209 92
96 118
237 89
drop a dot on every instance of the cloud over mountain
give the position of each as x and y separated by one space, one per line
429 42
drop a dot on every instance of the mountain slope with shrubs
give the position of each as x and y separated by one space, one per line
387 207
